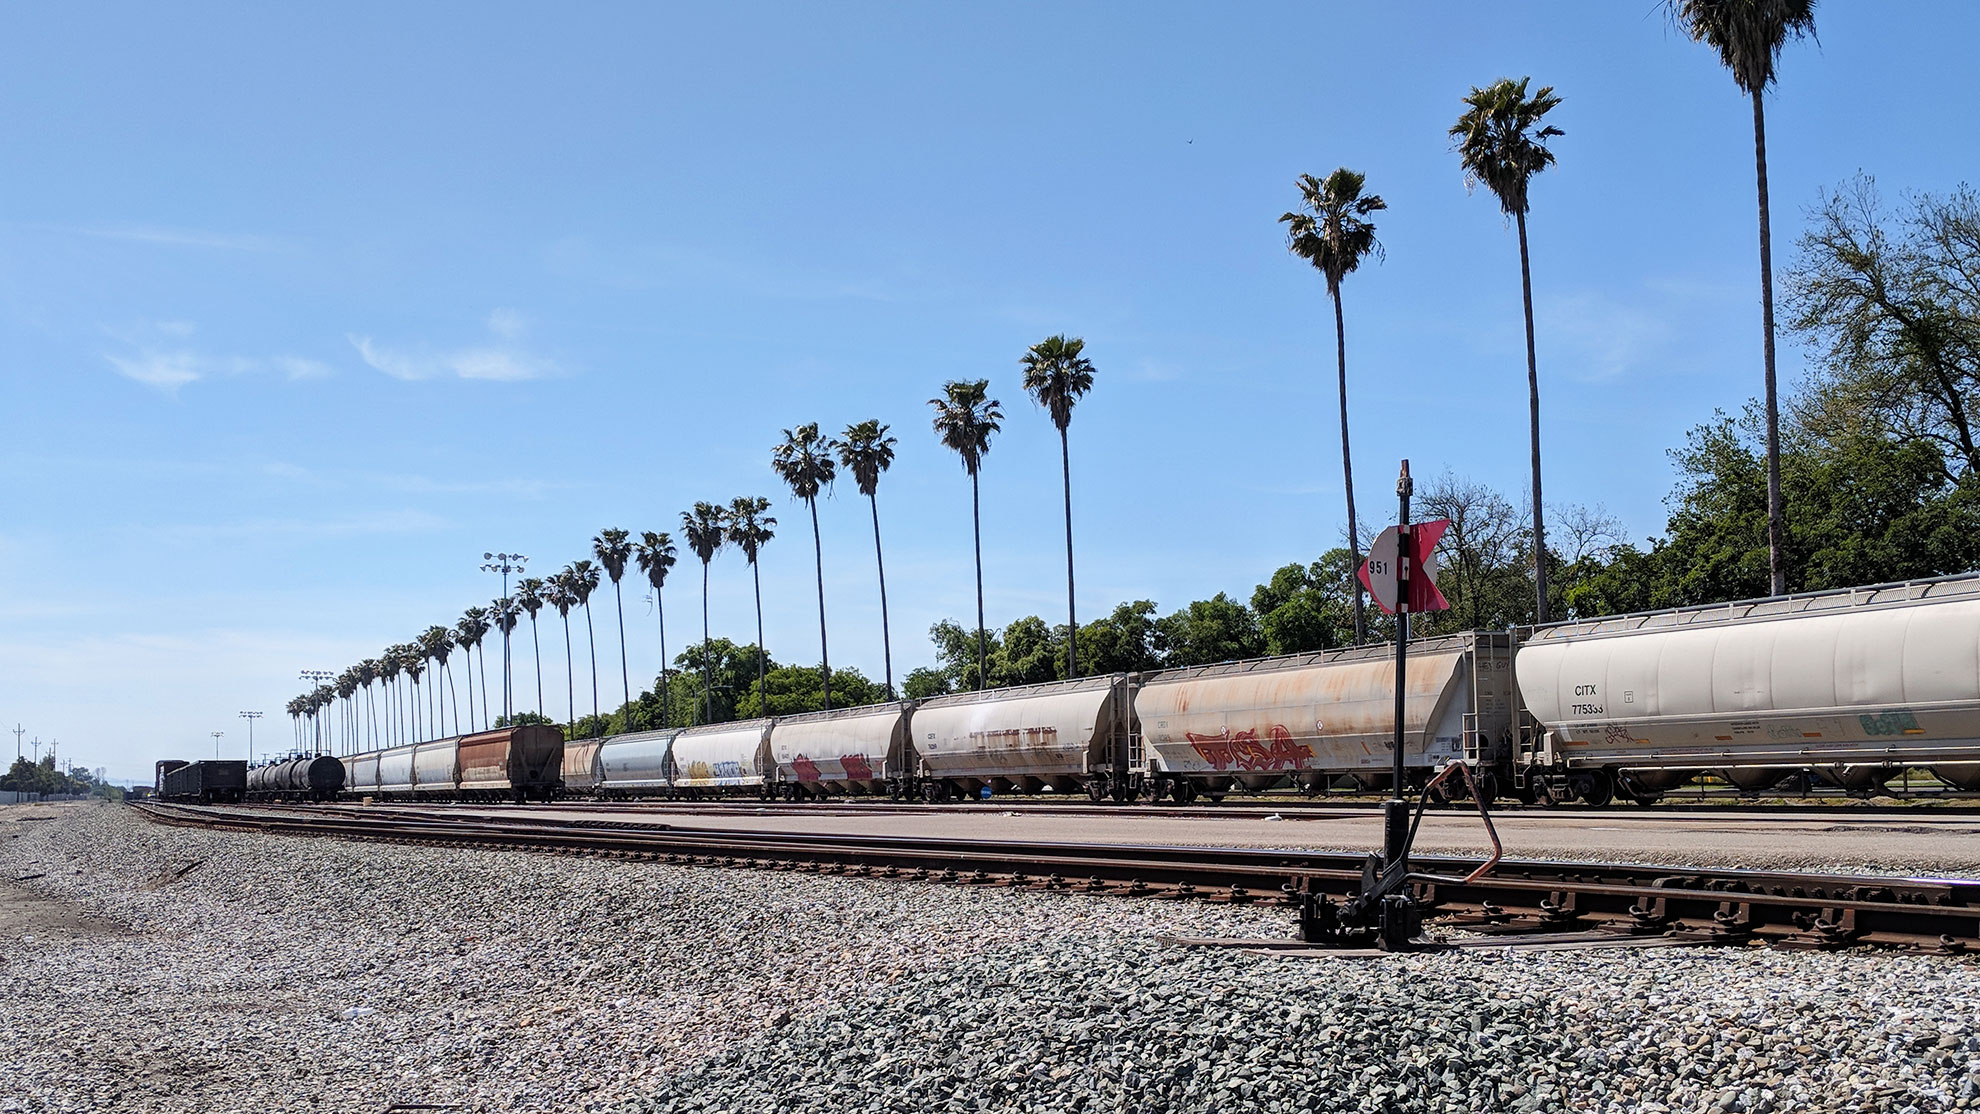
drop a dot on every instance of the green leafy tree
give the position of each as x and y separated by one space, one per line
927 681
1208 631
1122 642
1333 233
793 689
1748 36
1057 375
1305 607
865 450
803 460
965 418
1502 142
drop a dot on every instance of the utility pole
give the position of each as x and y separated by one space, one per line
18 732
216 745
505 563
36 744
250 717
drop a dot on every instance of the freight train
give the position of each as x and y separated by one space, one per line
1850 687
209 782
1847 687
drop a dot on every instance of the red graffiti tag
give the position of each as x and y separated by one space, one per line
804 768
1244 750
857 767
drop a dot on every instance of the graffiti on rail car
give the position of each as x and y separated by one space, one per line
1246 751
1016 738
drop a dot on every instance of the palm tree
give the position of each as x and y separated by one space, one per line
655 554
965 417
613 549
414 664
804 462
1502 143
1749 36
368 674
1056 374
529 597
470 630
438 642
750 529
389 659
706 528
866 451
1334 234
559 594
347 686
584 577
503 612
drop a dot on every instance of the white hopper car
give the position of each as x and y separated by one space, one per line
1851 687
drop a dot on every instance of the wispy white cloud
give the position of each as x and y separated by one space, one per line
163 359
504 361
1599 337
180 237
307 528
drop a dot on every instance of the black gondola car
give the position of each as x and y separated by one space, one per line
207 781
164 767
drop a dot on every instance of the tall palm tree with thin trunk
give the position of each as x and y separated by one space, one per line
804 462
438 643
1502 143
472 628
414 664
865 450
613 548
392 664
750 529
1748 36
1333 233
559 594
368 675
529 597
706 529
655 553
1057 375
584 579
505 614
965 418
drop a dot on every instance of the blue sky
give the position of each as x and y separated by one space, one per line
304 309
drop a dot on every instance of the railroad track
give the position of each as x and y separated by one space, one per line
1516 899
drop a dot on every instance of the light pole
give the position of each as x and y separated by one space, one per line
250 717
216 745
504 563
320 678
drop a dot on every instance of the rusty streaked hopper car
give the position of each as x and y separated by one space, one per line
1063 735
1307 718
1851 685
520 763
860 751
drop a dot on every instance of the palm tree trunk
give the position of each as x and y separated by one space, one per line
976 526
886 647
824 648
453 694
1541 608
536 649
1347 475
484 688
1776 568
762 658
469 647
570 677
707 678
625 673
591 647
1072 619
666 709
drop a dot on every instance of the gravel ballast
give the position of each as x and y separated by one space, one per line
287 974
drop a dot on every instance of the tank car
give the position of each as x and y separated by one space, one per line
1853 685
1065 736
722 758
306 778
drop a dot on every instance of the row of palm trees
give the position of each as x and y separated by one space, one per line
1501 142
1055 372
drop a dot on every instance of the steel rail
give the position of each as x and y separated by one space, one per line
1704 905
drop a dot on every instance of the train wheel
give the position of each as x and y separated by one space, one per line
1183 791
1488 788
1096 789
1153 789
1596 789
